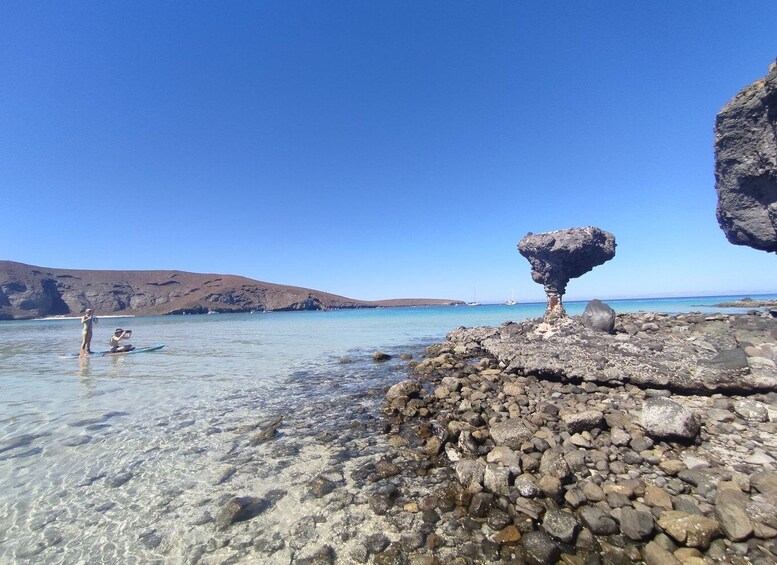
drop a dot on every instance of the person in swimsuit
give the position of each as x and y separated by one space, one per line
117 336
87 320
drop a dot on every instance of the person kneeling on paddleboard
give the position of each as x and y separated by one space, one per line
118 335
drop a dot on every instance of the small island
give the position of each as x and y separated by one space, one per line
748 302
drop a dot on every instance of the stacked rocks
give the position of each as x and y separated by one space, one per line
556 468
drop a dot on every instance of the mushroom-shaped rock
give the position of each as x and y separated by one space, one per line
746 165
558 256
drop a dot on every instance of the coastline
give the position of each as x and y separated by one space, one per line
305 467
734 303
49 318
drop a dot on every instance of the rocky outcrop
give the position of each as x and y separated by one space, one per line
746 165
546 468
558 256
27 291
689 352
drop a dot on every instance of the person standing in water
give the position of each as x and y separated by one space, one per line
87 320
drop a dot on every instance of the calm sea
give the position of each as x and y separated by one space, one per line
117 459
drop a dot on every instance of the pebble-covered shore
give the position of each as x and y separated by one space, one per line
581 472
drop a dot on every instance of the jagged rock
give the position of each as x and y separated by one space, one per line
665 418
558 256
599 316
526 488
746 165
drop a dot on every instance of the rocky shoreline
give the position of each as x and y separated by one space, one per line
544 466
478 458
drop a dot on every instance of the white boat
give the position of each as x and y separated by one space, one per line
474 302
512 301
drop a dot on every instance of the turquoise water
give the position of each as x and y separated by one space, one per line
97 453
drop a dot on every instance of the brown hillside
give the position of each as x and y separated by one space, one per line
28 291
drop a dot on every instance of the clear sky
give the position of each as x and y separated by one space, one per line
376 149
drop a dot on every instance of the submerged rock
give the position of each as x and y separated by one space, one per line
239 509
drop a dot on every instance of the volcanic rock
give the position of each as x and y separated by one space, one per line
688 352
599 316
746 165
558 256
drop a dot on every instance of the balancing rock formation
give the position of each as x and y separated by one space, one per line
746 165
558 256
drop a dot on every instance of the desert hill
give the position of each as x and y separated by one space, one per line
27 291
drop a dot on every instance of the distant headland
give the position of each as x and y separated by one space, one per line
28 291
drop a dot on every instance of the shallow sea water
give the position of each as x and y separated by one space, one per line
127 459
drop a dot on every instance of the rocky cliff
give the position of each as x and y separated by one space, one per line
27 292
746 165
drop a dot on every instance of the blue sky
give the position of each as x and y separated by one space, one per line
376 149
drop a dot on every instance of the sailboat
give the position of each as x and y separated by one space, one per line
512 301
474 302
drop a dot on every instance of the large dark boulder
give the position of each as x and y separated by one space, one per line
558 256
746 165
599 316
